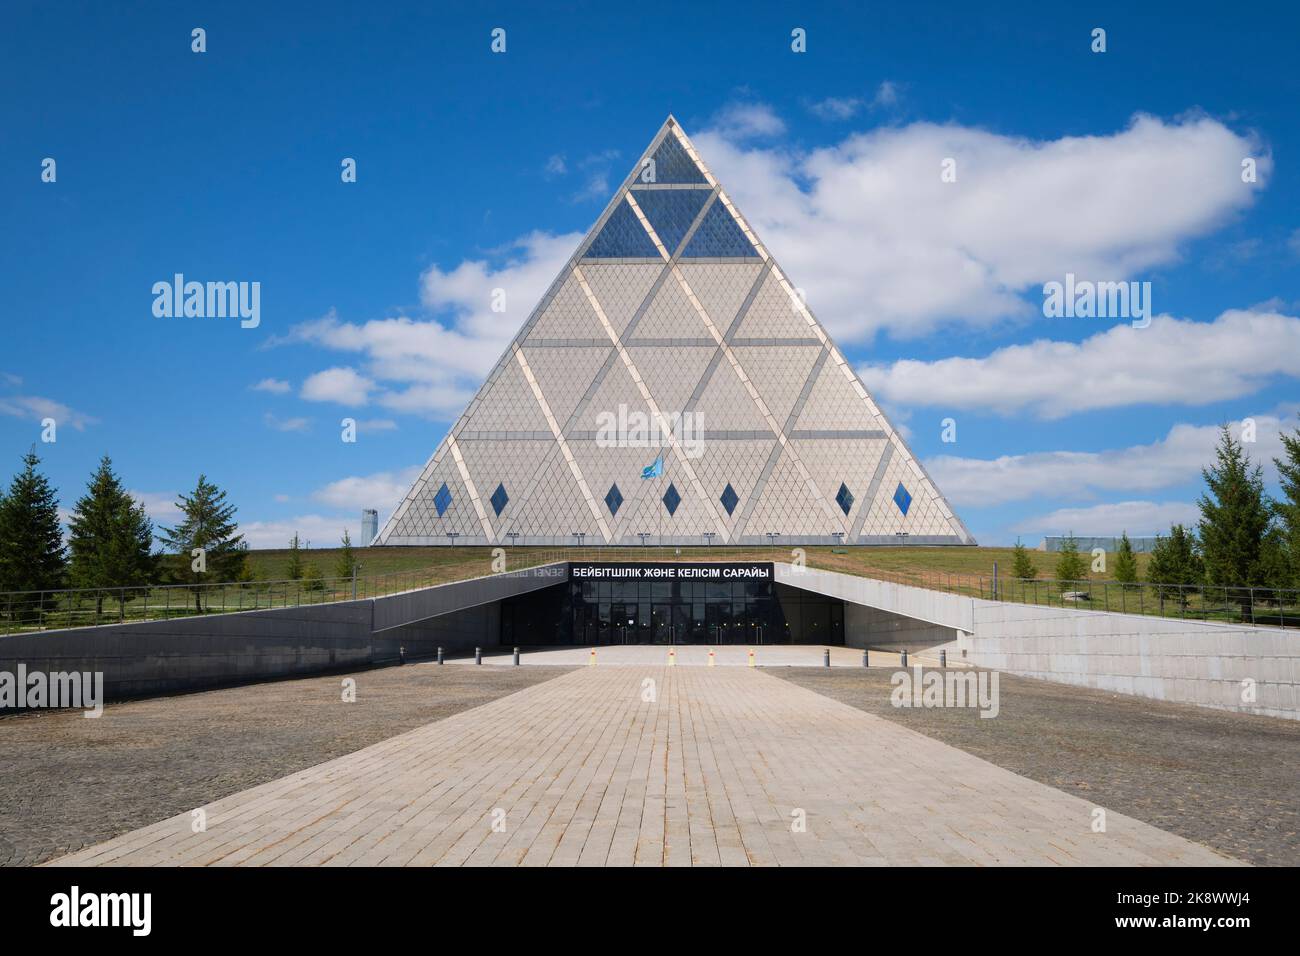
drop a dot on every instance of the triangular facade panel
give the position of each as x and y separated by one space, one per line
672 344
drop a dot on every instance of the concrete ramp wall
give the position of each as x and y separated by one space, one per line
193 653
1253 670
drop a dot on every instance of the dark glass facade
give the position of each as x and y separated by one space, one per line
605 610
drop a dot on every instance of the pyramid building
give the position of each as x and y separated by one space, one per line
672 387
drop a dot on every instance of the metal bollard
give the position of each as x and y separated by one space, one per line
903 661
516 657
826 657
478 655
943 658
864 658
440 655
401 654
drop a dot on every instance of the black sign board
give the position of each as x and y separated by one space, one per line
750 571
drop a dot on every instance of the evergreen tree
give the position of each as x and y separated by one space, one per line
208 524
1070 566
1174 561
31 541
1235 515
1126 565
110 537
347 559
1022 566
1288 508
294 570
312 579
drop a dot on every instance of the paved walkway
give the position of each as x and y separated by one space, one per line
716 770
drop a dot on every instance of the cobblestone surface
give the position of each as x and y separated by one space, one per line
1229 781
69 782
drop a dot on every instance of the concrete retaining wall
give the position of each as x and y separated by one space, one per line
1187 661
193 653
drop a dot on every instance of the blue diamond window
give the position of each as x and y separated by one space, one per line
670 211
499 499
613 499
622 237
902 499
845 498
442 500
729 498
672 499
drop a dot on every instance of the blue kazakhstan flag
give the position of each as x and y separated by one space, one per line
654 470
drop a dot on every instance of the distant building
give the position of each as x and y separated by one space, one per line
1140 545
369 525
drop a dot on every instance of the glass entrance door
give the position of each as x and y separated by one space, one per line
661 620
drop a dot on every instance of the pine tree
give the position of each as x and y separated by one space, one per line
1022 566
1070 566
110 538
312 579
208 524
1126 565
294 569
347 558
31 541
1174 562
1235 515
1288 508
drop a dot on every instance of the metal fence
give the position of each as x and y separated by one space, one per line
86 607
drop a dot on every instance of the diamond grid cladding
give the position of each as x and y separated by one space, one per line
752 392
613 499
719 236
623 237
442 500
670 211
672 164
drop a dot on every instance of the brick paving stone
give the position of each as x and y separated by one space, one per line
708 773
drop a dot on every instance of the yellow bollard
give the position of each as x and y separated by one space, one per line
710 657
591 662
672 657
751 657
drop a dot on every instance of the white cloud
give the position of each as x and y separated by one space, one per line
382 490
1134 517
160 506
555 166
881 243
887 94
12 380
376 425
286 424
836 107
35 408
1173 460
321 531
274 385
741 121
341 385
1293 243
1172 362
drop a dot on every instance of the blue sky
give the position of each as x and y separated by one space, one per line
479 170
